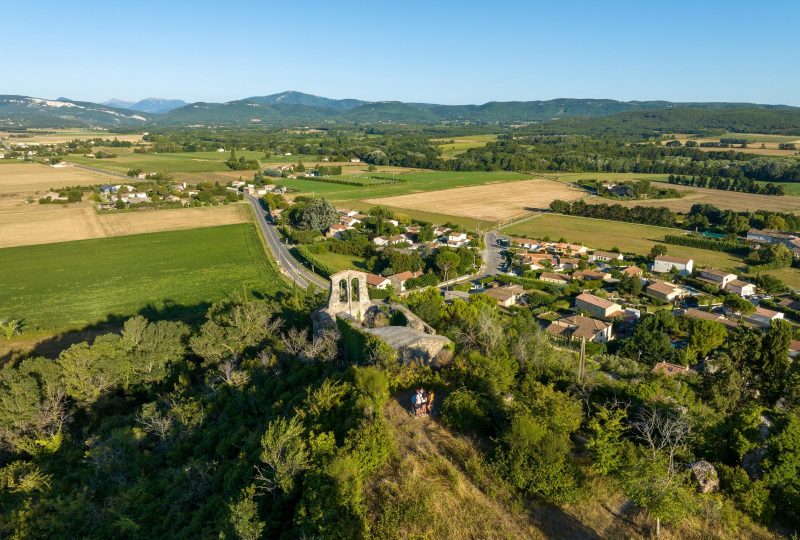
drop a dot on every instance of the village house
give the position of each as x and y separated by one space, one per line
336 230
398 239
591 275
527 243
380 241
664 264
666 292
379 282
580 327
507 295
399 280
568 249
347 213
718 278
457 239
441 231
568 263
349 221
551 277
605 256
632 271
597 307
742 288
763 317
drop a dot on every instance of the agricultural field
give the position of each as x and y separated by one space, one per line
726 200
492 202
453 146
28 224
17 177
754 143
175 274
413 181
57 136
166 163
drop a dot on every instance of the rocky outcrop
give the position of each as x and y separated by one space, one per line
705 476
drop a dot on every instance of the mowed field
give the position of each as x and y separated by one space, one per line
633 238
413 181
28 224
35 177
175 274
166 163
755 141
492 202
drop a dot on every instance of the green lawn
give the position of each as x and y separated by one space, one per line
415 182
177 273
628 237
790 188
340 261
166 163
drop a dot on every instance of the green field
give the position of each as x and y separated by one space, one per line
415 182
166 163
341 261
462 144
74 284
790 188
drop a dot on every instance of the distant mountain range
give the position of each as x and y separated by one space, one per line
148 105
297 108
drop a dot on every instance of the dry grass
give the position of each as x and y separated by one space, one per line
62 136
34 177
489 202
726 200
27 224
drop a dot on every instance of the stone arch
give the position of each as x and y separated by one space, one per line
348 294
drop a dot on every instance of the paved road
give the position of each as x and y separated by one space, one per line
492 258
286 261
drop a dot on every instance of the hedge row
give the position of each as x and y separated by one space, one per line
727 246
304 254
373 181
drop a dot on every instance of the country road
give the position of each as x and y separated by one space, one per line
286 261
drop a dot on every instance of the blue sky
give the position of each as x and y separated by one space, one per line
433 51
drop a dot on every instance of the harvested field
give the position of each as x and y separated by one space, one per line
33 177
726 200
490 202
62 136
27 224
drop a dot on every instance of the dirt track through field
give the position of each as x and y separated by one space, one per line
489 202
22 225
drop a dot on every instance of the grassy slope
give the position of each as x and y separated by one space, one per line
341 261
80 283
167 163
462 144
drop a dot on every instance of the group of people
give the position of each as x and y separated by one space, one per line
422 402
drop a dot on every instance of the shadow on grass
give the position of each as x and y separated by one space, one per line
51 347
